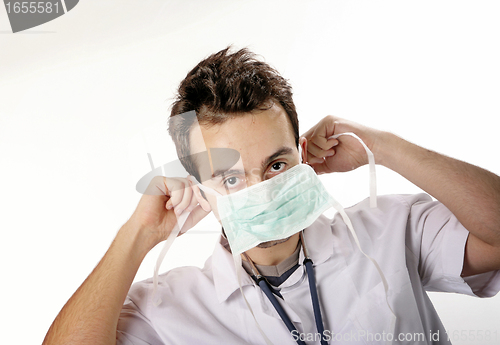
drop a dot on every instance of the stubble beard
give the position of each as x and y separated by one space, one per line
267 244
272 243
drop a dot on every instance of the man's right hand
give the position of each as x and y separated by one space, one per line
163 202
91 314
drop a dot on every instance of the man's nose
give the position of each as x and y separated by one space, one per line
254 178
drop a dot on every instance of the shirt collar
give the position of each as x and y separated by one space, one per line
225 279
318 238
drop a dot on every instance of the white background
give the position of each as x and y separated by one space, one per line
79 95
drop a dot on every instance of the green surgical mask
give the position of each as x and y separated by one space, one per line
279 207
273 209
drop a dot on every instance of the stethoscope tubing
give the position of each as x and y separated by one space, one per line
308 263
315 299
279 309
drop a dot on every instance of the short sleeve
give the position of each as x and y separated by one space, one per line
134 328
438 238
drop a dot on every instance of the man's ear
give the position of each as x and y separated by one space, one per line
303 145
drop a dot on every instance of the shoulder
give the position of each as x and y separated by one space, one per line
392 211
179 281
393 202
389 225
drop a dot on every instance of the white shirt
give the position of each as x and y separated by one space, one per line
418 244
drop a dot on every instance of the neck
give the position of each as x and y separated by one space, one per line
273 255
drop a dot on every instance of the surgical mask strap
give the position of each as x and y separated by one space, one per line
238 266
236 258
371 163
348 222
300 154
181 219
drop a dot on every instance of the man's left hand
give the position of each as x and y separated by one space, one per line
342 154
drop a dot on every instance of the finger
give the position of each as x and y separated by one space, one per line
330 123
194 218
323 142
171 185
192 203
320 168
331 142
314 160
185 201
170 188
316 151
199 198
323 130
156 186
168 205
175 188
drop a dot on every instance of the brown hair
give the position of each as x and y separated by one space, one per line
223 86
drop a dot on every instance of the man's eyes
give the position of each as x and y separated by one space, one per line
278 166
235 182
231 181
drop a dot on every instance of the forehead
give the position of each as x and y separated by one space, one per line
254 134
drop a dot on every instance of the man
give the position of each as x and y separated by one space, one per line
244 105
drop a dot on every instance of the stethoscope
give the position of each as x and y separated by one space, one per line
264 285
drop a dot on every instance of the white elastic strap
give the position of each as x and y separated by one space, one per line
238 267
170 239
371 163
300 153
347 221
207 189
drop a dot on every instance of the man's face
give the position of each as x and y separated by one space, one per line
264 140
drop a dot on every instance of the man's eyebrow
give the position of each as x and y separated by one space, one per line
220 172
281 151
